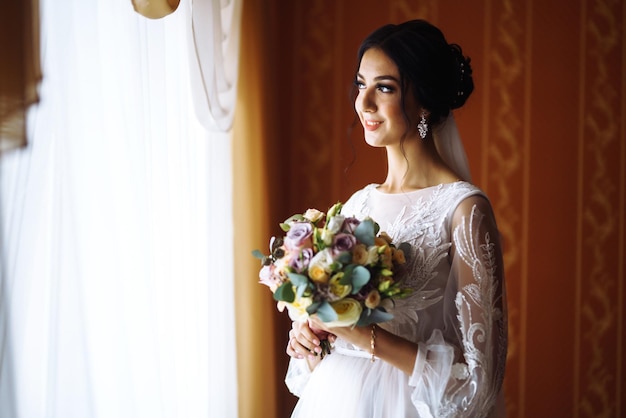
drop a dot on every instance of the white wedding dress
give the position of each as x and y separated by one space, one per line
456 314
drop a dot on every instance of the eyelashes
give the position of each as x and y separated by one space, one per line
383 88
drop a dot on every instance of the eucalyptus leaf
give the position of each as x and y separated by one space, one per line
326 312
298 279
373 316
406 249
301 289
312 308
258 254
346 279
360 277
365 232
285 293
345 257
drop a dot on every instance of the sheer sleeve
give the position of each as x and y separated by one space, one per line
297 376
463 376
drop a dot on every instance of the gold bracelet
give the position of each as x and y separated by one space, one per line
373 342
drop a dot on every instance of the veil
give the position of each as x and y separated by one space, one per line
450 147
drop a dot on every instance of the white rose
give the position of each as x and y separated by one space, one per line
313 215
348 312
334 224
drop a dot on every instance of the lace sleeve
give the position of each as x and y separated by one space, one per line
464 377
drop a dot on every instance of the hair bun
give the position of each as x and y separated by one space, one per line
465 85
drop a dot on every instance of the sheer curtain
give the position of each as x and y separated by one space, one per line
116 289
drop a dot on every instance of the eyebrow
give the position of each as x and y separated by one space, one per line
380 77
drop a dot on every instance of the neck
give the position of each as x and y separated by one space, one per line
414 166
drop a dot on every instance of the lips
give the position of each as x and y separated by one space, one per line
371 125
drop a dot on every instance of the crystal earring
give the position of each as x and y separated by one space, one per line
422 126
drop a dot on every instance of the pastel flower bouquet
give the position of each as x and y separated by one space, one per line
338 268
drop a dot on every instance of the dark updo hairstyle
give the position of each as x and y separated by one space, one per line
438 73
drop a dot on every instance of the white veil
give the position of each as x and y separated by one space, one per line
450 147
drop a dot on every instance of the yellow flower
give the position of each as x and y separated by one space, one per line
297 309
348 312
338 289
319 266
318 274
373 299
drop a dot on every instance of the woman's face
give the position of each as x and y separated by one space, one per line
379 101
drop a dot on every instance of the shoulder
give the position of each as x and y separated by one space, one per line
464 194
357 203
470 202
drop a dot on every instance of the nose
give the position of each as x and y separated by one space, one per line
365 100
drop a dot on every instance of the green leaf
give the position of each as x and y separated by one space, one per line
285 293
366 232
258 254
293 218
301 289
284 226
298 279
326 312
312 308
406 249
373 316
345 257
347 275
360 277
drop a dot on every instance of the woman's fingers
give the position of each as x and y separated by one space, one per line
302 341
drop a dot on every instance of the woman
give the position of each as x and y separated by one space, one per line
444 352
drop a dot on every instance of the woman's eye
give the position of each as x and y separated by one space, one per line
385 89
359 84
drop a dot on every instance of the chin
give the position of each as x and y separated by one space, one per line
373 140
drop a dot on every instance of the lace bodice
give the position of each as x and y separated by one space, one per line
422 219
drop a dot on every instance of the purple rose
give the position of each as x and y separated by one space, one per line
349 225
343 242
301 262
299 235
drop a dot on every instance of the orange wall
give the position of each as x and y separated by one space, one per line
545 133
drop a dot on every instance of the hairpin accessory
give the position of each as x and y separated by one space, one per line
422 126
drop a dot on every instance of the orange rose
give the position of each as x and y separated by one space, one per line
373 299
360 254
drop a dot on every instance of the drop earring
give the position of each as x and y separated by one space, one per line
422 126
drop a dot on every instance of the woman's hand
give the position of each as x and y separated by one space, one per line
305 340
358 336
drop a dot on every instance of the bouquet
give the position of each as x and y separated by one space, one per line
339 268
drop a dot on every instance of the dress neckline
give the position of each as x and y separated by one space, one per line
375 186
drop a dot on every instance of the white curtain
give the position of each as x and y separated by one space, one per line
116 286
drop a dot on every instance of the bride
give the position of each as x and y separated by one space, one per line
444 352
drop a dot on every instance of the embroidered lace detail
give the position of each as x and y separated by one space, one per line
422 221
